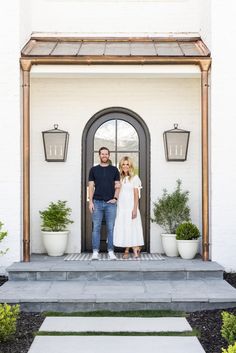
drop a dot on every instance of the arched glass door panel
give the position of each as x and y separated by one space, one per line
122 140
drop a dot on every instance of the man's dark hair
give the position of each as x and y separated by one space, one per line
104 148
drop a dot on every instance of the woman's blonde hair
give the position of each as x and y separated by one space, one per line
131 167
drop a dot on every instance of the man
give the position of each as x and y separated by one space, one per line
104 184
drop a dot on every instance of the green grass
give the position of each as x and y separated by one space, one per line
106 313
69 333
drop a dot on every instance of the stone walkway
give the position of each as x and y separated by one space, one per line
118 295
108 343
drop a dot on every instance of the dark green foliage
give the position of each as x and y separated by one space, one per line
230 349
228 330
171 209
8 317
56 217
187 231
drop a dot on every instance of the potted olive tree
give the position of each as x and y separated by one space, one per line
55 220
169 212
187 236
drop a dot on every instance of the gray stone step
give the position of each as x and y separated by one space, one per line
43 268
115 344
87 295
115 324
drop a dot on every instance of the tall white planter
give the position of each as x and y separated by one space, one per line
188 248
55 242
169 244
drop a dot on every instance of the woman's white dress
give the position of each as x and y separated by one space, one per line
128 232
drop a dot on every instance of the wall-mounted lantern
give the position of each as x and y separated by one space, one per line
176 144
55 144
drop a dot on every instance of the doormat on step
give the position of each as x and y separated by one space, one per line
104 257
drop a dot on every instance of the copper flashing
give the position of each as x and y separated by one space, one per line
115 47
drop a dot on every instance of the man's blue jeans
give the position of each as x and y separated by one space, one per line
109 210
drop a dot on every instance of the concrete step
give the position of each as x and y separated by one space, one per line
115 324
47 269
115 344
84 295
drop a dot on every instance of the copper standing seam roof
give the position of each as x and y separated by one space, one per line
55 47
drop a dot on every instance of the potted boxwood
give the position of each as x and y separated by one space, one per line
55 220
187 236
169 212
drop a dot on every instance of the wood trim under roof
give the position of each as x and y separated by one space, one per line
50 48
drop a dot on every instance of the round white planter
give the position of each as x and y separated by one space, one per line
169 244
55 242
188 248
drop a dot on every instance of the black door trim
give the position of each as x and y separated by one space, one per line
96 120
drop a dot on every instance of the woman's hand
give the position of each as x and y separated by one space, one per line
134 213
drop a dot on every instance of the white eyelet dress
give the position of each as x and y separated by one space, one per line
128 232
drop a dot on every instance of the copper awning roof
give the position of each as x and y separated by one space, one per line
73 47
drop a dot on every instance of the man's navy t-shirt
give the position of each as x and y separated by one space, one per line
104 179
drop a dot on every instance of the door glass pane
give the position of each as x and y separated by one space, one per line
96 159
132 155
105 135
127 137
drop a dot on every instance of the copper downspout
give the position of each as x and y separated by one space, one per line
26 65
205 161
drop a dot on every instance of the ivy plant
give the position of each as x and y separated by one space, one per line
3 234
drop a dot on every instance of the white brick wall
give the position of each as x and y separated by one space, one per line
10 203
116 16
223 127
72 102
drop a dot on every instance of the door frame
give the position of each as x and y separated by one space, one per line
146 184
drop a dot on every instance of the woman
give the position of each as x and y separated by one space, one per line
128 230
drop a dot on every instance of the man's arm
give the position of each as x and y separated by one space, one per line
91 192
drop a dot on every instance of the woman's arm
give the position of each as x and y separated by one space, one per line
136 198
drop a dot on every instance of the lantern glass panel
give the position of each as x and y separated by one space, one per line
55 145
177 144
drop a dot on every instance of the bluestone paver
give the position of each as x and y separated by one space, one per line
115 344
115 324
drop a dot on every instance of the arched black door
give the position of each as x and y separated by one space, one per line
124 133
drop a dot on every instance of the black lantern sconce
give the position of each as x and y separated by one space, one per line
55 144
176 144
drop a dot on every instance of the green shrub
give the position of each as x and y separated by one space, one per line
2 236
187 231
8 316
228 330
230 349
171 209
56 217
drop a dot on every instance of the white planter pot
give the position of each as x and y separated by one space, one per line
55 242
169 244
188 248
